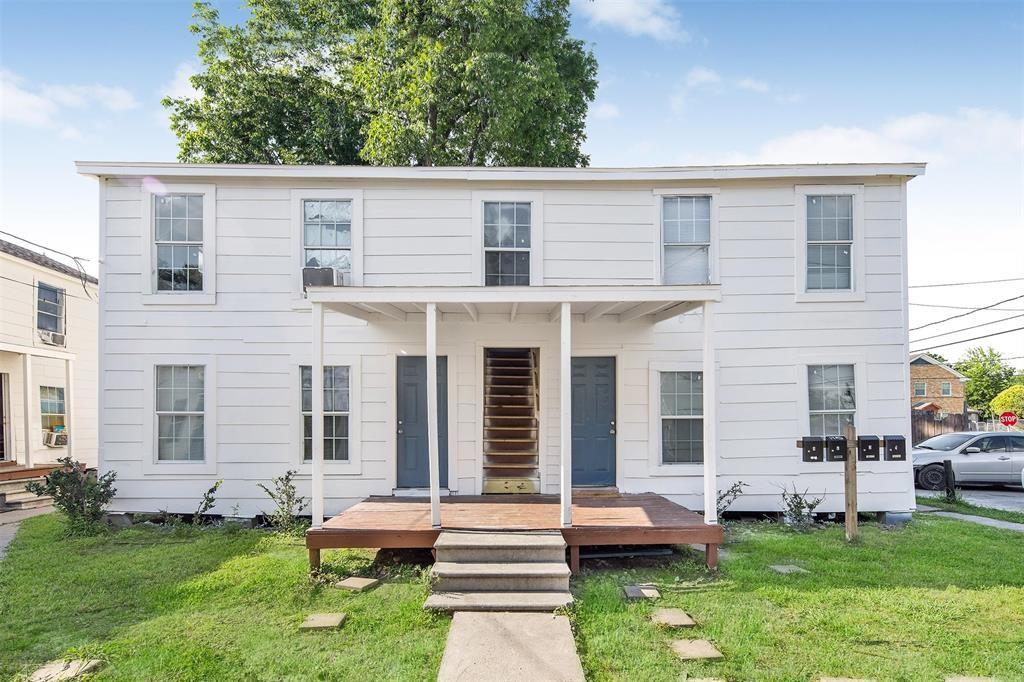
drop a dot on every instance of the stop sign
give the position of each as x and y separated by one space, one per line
1008 419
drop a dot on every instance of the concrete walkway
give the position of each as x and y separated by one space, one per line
982 520
9 522
510 647
1005 498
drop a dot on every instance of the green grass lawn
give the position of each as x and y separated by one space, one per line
939 597
967 508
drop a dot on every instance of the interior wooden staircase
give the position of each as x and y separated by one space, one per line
511 455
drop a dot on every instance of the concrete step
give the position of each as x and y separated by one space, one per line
531 576
17 485
497 601
478 547
34 503
20 496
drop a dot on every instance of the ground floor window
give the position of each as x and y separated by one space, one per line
336 412
51 407
831 398
180 413
682 418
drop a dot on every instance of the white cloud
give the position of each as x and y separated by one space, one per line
18 105
180 86
701 75
604 111
753 85
655 18
82 96
42 106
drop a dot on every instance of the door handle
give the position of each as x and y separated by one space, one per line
1004 458
611 428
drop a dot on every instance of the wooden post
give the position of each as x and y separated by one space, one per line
850 482
317 408
69 406
30 406
565 410
710 411
314 560
433 454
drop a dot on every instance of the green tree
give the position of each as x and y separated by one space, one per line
1009 400
388 82
987 374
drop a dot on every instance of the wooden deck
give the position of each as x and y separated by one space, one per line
598 519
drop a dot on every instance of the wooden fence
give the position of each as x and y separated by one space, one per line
924 425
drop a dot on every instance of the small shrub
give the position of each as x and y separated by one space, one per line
798 508
206 504
289 504
728 496
78 493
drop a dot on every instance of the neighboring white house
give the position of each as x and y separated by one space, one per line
48 359
787 284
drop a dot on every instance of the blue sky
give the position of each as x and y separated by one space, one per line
681 83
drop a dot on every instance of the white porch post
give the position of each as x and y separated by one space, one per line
27 380
710 421
317 372
69 405
565 409
432 417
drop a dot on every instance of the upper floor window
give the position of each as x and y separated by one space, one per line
178 235
336 412
831 398
180 411
829 242
49 308
507 243
327 234
686 239
682 418
920 389
947 389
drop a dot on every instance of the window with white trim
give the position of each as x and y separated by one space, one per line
507 243
336 412
682 417
327 234
947 389
49 308
920 389
829 242
178 237
51 407
831 398
180 413
686 239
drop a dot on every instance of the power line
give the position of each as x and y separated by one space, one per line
76 259
964 329
964 307
954 343
36 286
967 313
964 284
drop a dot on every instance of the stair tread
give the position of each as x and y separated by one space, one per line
467 539
496 569
498 601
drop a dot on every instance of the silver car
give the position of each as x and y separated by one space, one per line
977 457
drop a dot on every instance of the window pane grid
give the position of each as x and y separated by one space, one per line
49 308
682 423
686 239
336 412
179 242
507 226
327 234
180 405
831 398
829 241
51 407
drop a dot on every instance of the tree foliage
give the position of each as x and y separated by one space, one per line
987 374
1009 400
388 82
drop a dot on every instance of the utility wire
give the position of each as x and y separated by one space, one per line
35 286
964 329
964 284
954 343
965 307
77 260
947 319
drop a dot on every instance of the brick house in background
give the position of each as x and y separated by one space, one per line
934 386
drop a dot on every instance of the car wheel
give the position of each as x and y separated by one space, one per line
932 477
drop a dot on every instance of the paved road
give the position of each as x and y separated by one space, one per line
997 497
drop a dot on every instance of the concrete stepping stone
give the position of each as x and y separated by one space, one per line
672 618
786 569
323 621
354 584
641 592
696 650
65 669
510 647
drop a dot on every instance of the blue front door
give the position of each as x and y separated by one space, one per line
593 421
413 457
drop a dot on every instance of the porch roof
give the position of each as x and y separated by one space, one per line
652 303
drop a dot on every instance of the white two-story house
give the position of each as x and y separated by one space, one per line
499 331
48 381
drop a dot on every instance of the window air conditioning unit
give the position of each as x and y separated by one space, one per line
55 439
51 338
324 277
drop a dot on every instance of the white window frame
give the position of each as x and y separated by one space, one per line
659 243
353 466
655 467
327 413
857 258
860 386
924 389
43 415
151 464
298 196
536 199
946 389
208 295
39 284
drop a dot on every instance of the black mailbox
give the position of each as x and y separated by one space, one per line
814 448
835 448
895 449
867 448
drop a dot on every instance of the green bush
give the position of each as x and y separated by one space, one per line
78 493
1009 400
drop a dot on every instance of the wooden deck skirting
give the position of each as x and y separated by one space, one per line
599 519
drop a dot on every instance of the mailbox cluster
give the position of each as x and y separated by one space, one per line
869 448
